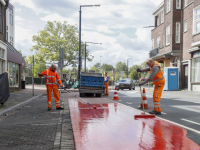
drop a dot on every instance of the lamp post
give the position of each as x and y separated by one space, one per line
127 65
79 59
85 51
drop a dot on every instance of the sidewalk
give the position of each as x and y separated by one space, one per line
30 126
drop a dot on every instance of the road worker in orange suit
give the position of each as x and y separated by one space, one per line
106 83
158 79
54 78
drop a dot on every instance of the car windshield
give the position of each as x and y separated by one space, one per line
123 81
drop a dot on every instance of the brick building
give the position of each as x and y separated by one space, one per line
176 39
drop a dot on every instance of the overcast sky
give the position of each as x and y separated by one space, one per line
118 24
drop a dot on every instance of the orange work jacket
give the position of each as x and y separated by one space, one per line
53 76
159 77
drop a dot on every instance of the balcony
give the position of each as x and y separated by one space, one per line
154 52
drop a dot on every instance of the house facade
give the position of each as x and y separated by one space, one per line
176 39
15 61
3 45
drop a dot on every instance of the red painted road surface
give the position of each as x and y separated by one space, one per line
113 127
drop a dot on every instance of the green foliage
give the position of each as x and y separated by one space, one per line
97 65
121 67
107 67
58 35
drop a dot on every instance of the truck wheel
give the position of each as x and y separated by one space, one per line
129 89
98 95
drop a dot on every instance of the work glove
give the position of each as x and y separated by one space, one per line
39 74
139 70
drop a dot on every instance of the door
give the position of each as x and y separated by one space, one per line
186 76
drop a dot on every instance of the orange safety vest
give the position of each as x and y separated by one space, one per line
159 77
53 76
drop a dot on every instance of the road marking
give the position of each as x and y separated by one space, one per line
190 121
193 108
163 113
128 103
120 100
188 128
177 99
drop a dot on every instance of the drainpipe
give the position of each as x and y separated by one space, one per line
181 48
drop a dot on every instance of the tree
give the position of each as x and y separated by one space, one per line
97 65
107 67
121 67
58 35
133 72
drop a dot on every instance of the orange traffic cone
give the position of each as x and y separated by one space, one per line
144 100
115 94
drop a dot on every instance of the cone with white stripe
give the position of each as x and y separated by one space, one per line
144 100
115 94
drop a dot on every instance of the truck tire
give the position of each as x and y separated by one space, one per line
98 95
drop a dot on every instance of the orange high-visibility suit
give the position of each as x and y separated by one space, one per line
159 83
51 85
106 83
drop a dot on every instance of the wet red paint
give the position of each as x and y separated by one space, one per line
113 127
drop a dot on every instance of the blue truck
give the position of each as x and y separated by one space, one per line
91 84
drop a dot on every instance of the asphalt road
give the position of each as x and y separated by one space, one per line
176 107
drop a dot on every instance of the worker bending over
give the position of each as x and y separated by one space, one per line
158 80
51 84
106 83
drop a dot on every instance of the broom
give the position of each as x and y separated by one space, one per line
143 115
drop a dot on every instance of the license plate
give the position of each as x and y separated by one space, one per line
122 86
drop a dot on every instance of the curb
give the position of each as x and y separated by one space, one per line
18 105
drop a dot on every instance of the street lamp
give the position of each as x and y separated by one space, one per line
79 59
100 61
85 51
149 27
127 65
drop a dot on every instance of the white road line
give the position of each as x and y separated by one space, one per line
180 125
120 100
128 103
190 121
163 113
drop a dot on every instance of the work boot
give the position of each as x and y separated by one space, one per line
155 112
49 109
60 108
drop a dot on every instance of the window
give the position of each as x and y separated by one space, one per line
168 35
196 20
6 36
178 32
11 19
157 21
196 69
186 3
2 53
178 4
185 26
158 42
162 16
168 6
163 40
13 74
152 44
196 54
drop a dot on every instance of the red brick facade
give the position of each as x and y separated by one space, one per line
179 54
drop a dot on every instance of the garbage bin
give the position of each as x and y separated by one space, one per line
23 84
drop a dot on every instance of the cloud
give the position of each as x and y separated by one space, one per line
118 24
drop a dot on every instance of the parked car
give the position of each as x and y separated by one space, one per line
126 83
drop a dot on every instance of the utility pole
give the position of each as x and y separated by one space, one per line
33 76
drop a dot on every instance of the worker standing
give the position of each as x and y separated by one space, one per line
53 77
158 80
106 83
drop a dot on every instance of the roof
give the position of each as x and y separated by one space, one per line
158 8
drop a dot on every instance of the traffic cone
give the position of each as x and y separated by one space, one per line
115 94
144 100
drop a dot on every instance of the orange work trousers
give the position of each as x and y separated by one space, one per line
55 93
157 95
106 90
